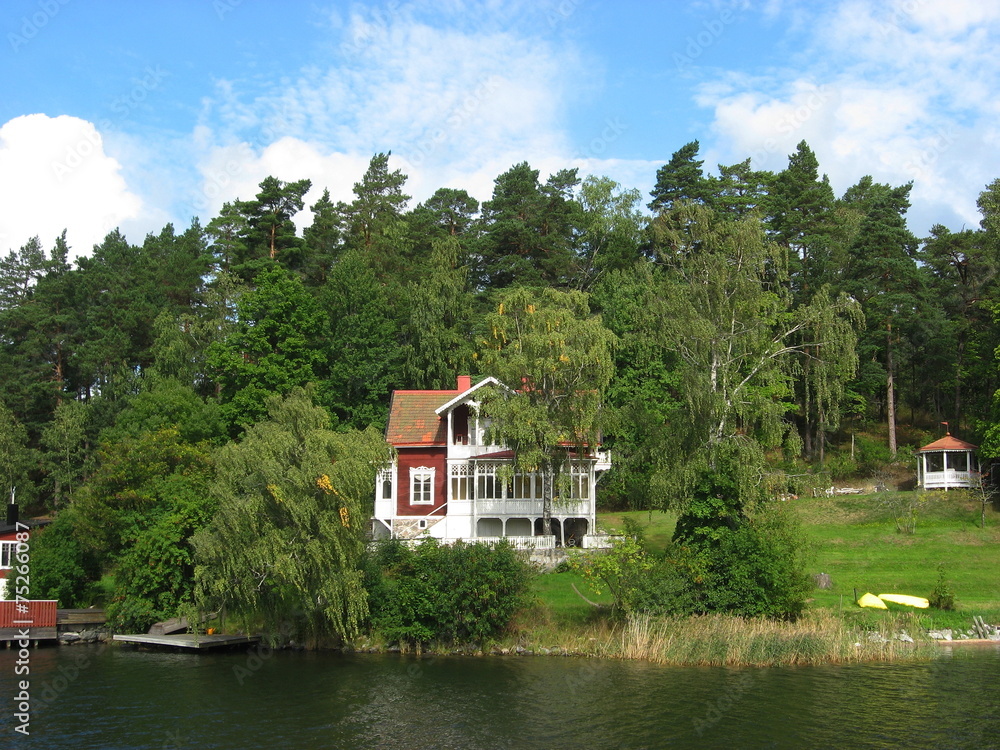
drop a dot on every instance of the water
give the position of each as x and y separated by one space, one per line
117 699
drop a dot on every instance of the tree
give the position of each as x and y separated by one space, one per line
362 352
611 229
884 278
729 315
274 346
289 534
15 457
681 179
528 229
800 205
438 332
65 442
137 513
269 220
548 345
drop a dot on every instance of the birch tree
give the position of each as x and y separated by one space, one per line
727 311
548 345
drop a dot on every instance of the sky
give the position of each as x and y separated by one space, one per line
117 114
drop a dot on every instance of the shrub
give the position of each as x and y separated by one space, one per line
61 568
942 597
463 592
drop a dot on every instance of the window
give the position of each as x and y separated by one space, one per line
461 482
421 486
8 550
385 481
580 486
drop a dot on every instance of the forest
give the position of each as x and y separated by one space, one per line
748 313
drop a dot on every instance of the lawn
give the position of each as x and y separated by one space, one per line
854 538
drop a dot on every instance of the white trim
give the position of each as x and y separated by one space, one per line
465 394
425 475
8 549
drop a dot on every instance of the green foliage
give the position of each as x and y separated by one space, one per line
274 346
432 592
294 498
757 569
61 567
137 513
942 597
640 580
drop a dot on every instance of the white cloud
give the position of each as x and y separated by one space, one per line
456 105
57 175
899 91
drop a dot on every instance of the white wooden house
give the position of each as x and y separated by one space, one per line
947 463
445 481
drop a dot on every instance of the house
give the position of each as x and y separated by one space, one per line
947 463
446 481
9 541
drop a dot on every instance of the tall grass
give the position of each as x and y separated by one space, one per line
721 640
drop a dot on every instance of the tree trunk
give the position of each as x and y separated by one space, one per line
890 390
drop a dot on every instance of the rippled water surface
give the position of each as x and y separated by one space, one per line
112 698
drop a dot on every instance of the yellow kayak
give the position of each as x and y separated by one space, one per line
909 601
870 600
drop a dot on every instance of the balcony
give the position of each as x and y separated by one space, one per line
527 508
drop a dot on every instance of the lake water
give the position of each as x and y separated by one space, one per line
112 698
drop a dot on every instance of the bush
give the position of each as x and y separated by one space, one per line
459 593
757 570
942 597
61 568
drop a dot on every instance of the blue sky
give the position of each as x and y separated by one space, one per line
135 114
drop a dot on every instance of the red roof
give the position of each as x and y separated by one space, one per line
412 420
949 443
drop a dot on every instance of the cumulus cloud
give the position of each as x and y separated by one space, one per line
57 175
457 103
894 90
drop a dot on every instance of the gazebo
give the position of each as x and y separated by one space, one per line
947 463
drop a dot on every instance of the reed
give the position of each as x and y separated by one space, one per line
722 640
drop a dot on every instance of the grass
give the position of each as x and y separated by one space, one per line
852 538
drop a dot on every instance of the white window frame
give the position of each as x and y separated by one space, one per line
422 477
8 551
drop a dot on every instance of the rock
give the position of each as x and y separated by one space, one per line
877 638
88 636
904 638
69 637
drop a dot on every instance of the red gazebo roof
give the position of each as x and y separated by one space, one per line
948 443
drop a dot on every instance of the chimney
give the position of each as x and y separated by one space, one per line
12 517
464 383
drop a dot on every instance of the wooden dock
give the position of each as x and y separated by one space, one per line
189 640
